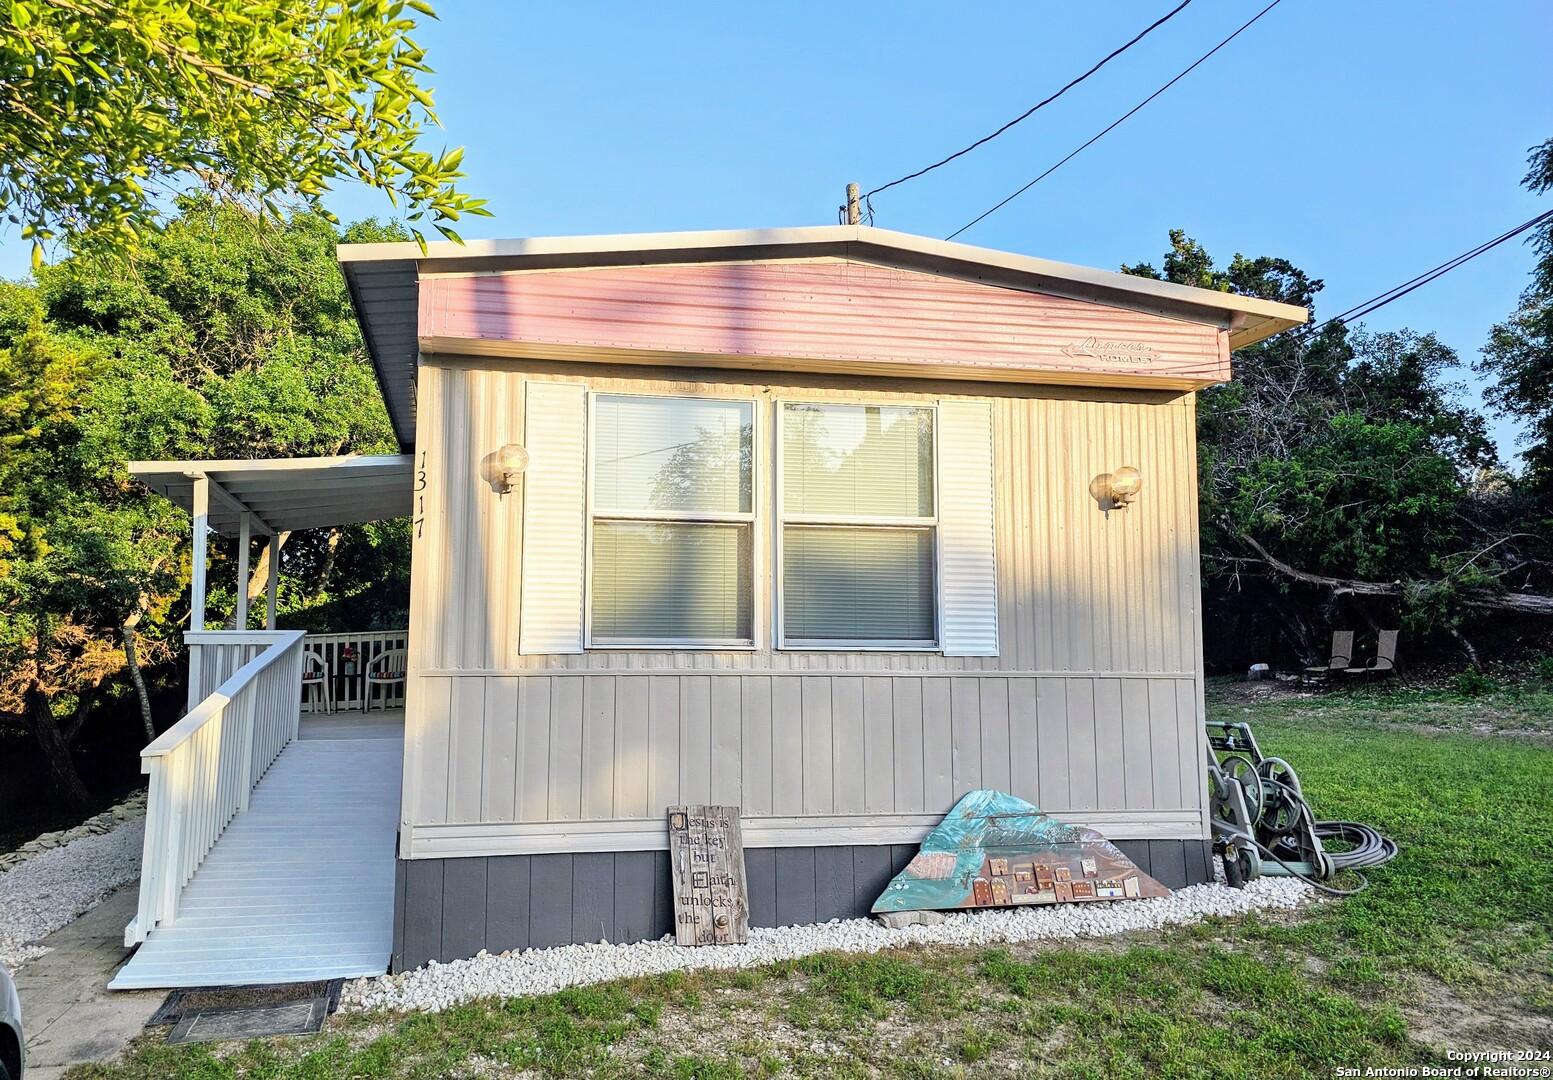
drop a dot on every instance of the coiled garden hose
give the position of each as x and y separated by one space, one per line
1370 848
1258 805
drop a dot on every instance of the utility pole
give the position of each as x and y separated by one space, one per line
854 212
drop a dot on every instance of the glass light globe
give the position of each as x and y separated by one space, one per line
512 458
1126 481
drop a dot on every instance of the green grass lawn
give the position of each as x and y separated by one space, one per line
1450 948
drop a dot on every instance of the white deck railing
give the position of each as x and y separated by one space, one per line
203 768
215 655
348 677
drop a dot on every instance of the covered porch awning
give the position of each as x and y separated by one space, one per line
274 496
286 494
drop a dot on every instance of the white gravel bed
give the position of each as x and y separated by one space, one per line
542 971
53 887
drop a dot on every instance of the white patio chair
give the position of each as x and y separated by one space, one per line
385 670
317 686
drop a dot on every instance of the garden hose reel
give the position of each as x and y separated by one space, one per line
1262 824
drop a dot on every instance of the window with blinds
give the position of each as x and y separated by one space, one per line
859 526
673 512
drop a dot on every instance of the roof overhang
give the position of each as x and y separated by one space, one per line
287 494
384 279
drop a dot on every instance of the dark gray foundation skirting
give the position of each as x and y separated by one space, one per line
449 909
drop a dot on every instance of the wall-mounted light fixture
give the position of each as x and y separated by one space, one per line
1116 490
508 467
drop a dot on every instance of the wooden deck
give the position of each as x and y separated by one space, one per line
301 886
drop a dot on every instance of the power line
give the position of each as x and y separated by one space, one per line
1039 105
1375 303
1115 124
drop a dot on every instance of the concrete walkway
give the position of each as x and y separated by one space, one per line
68 1013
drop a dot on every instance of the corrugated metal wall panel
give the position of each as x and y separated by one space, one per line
1092 702
620 747
1079 591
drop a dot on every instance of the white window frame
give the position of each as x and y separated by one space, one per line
781 519
751 520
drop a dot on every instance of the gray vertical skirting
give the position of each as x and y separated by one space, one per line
872 869
760 879
507 902
835 884
448 909
463 908
550 901
423 893
593 896
797 895
396 959
635 878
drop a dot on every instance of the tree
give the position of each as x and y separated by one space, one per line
1343 465
222 335
111 108
234 337
48 650
1519 353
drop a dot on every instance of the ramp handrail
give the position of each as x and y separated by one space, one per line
203 768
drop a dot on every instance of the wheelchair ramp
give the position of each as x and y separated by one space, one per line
301 885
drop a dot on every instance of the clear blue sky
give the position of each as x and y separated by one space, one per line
1364 141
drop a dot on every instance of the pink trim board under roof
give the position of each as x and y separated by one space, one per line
835 297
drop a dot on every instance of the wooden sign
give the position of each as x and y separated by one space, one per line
706 862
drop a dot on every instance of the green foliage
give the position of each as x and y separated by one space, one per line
1188 263
1545 669
233 338
1340 456
1471 684
41 384
109 108
1519 354
1361 499
230 336
75 557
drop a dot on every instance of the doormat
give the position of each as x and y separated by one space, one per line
211 1013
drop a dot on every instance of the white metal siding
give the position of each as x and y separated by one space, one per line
968 585
554 519
1092 706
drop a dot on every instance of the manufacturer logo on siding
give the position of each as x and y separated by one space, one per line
1112 352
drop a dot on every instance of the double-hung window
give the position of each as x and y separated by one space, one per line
859 526
673 519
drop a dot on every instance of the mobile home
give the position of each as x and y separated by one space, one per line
832 524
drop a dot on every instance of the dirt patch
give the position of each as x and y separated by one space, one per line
1445 1020
730 1017
1278 688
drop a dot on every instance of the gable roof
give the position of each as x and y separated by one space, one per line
384 281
